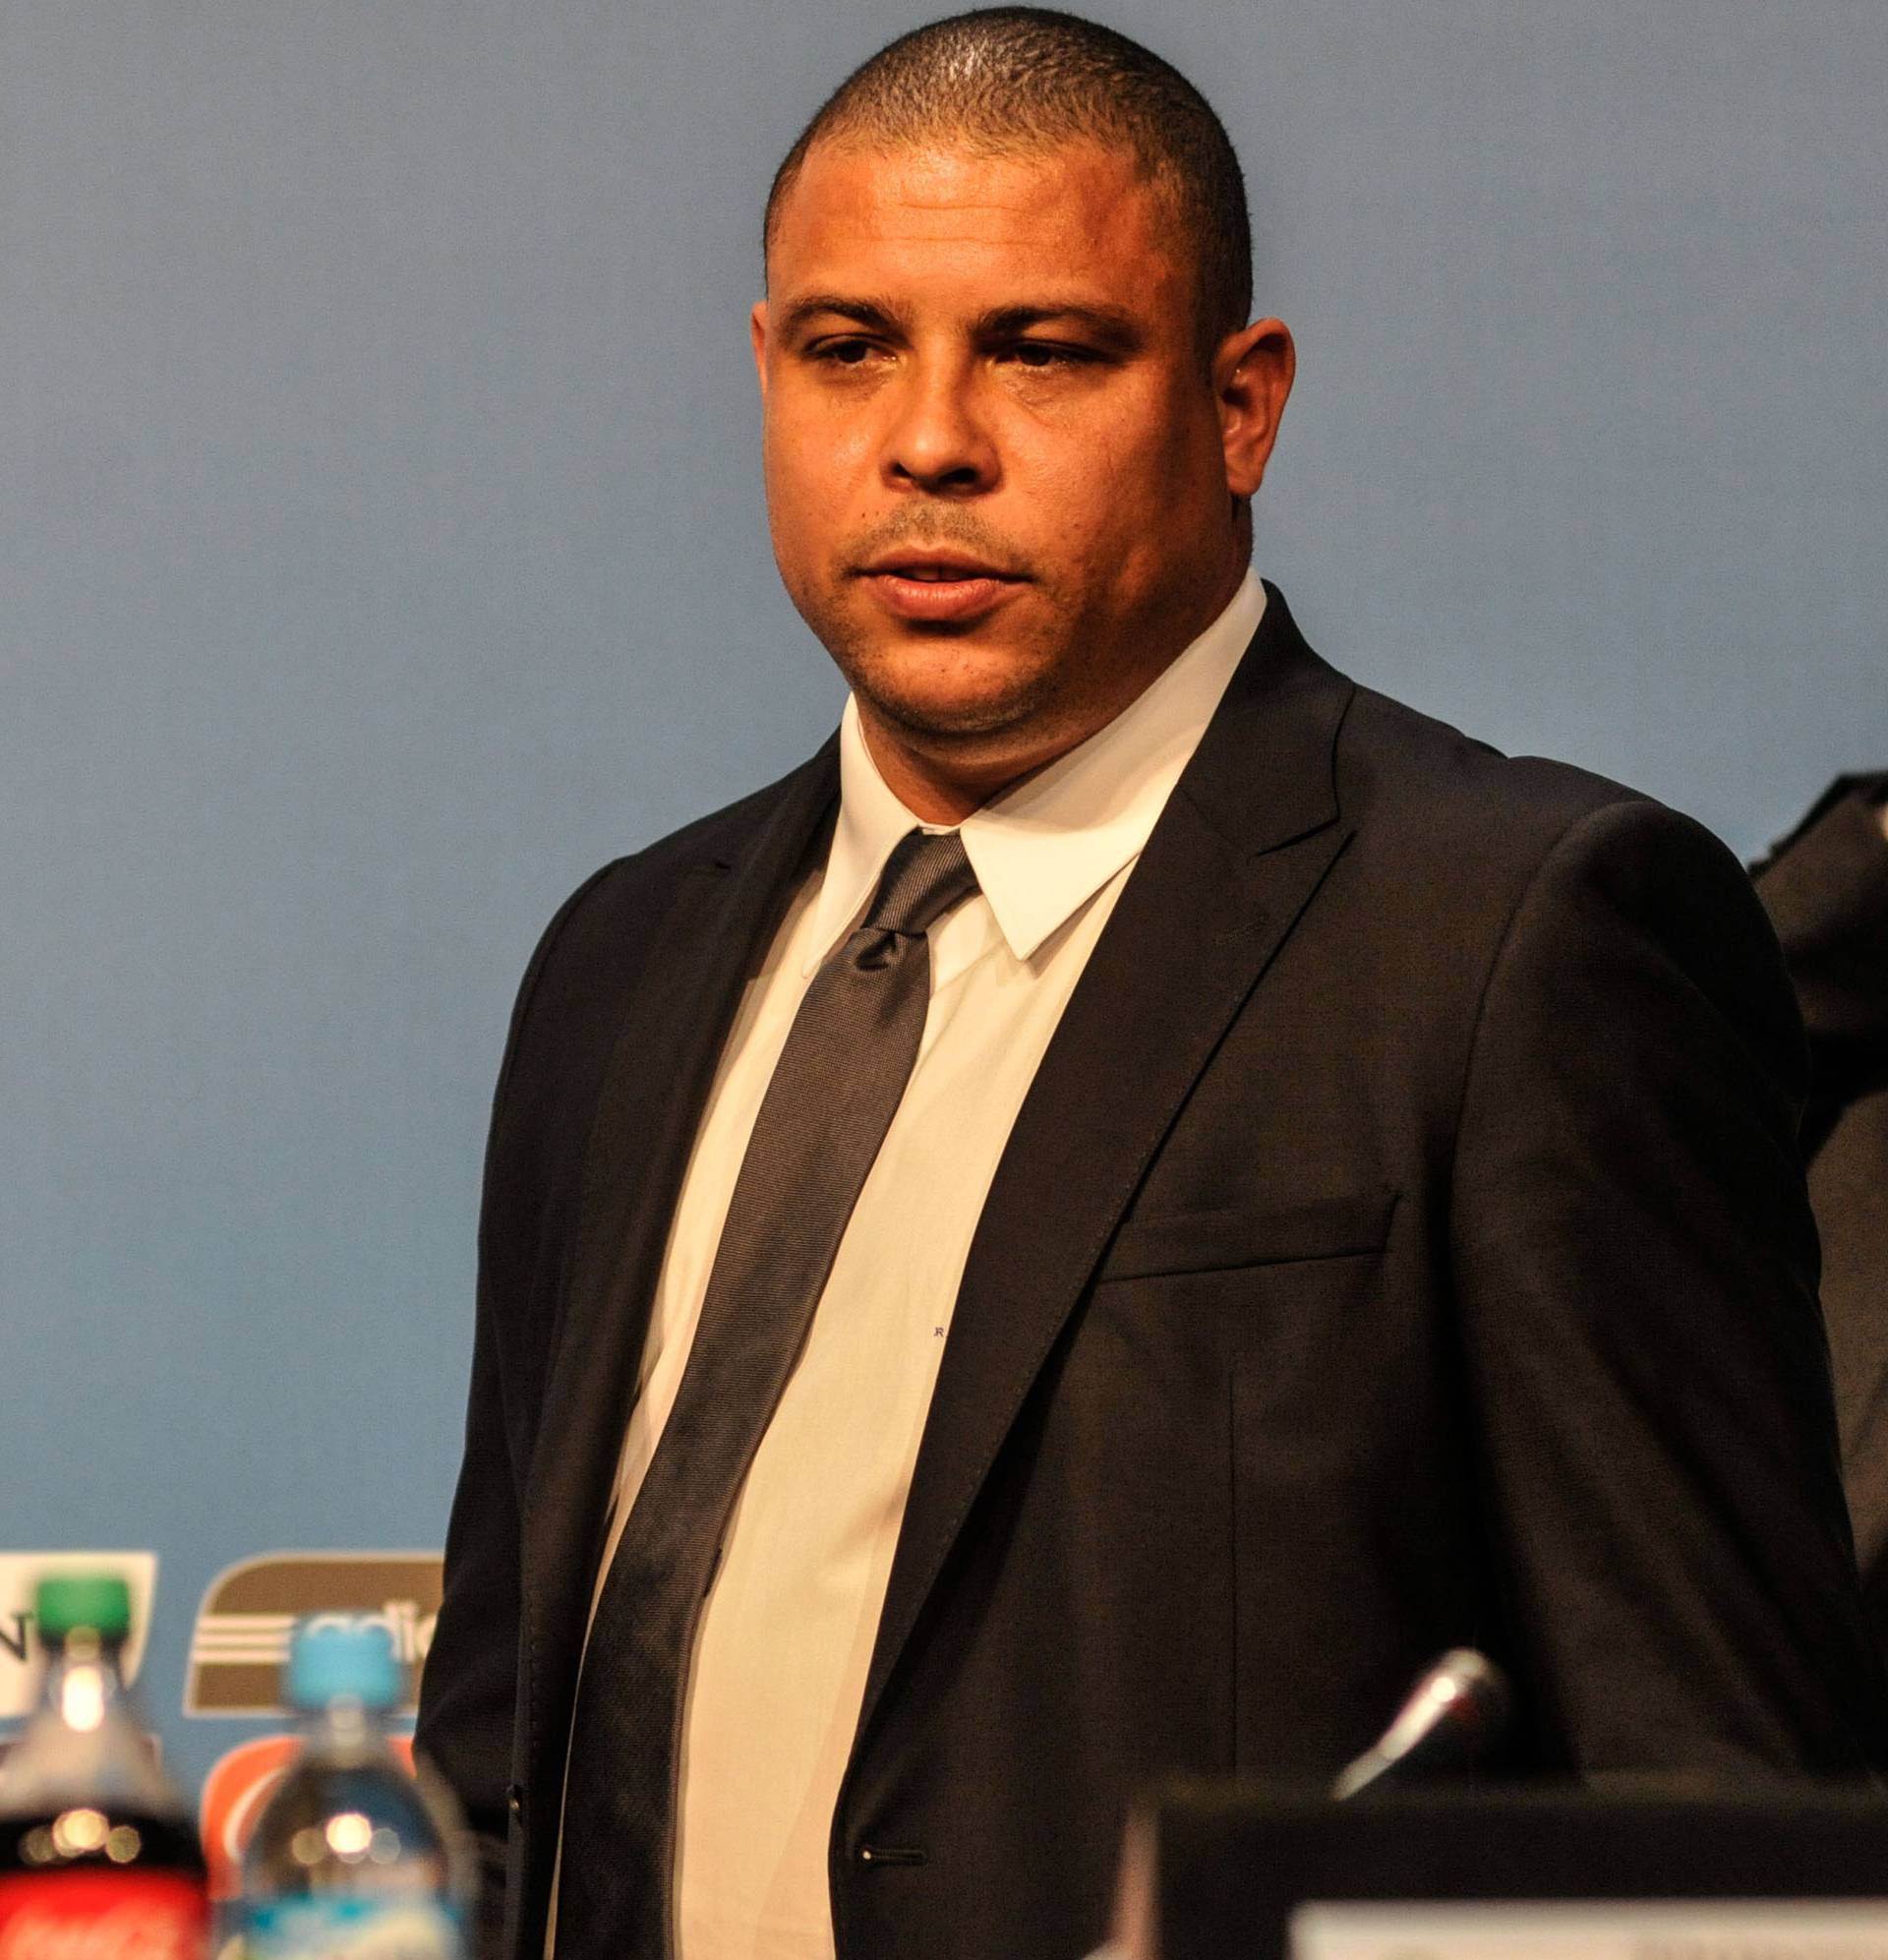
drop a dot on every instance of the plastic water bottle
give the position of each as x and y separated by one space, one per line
352 1855
98 1860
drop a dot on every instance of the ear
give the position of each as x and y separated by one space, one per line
1252 375
757 331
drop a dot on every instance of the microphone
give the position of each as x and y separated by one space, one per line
1454 1715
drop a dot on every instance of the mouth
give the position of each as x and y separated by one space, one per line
938 586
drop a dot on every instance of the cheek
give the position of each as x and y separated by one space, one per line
816 467
1129 451
1110 498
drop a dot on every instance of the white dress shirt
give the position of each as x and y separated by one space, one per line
787 1629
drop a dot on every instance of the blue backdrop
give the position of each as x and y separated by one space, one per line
383 548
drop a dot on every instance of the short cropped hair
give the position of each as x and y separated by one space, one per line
1002 80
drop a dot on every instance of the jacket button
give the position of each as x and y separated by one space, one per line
514 1799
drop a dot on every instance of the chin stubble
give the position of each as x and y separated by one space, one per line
1031 697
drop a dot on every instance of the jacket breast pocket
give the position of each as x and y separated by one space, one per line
1237 1237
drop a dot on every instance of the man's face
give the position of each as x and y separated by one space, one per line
1000 476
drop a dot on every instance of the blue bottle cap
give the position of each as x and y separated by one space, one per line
334 1657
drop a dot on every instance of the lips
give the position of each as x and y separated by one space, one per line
938 586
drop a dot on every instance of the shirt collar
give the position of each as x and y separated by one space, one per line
1043 848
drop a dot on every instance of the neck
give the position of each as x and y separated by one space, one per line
935 789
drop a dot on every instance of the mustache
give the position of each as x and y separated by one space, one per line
919 527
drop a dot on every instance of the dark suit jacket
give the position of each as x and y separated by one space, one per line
1403 1243
1826 888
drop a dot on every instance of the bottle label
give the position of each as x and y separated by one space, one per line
102 1915
354 1927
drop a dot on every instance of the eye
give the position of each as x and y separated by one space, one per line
849 352
1041 356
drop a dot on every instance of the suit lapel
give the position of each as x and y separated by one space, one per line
721 913
1235 858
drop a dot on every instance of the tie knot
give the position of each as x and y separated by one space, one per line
923 877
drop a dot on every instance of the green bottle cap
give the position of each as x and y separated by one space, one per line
100 1601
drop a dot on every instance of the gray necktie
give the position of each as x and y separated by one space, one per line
834 1091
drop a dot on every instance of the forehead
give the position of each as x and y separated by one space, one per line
937 221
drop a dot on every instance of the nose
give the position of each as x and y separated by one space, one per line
938 440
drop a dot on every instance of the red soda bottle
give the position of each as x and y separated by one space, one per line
98 1860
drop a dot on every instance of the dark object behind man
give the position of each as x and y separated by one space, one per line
1826 888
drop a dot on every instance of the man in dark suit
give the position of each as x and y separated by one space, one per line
1826 890
1145 1190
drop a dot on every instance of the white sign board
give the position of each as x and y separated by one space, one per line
1619 1929
20 1573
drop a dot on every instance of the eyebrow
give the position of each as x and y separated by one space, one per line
1112 327
880 319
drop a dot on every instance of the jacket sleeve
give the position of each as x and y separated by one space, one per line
1826 890
1637 1280
468 1692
